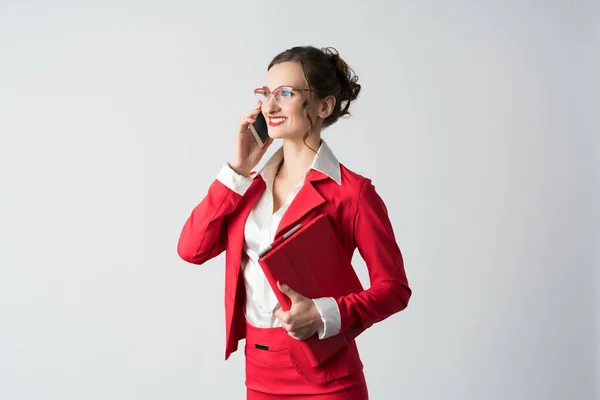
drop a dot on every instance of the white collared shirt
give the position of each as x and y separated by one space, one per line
259 232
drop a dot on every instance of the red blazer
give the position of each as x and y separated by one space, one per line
361 221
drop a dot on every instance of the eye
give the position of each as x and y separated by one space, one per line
261 93
286 92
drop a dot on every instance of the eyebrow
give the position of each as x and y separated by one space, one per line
267 88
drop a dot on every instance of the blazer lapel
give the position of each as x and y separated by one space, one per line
306 200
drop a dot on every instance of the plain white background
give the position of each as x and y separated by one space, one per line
478 123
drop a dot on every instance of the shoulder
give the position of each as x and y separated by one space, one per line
353 181
359 189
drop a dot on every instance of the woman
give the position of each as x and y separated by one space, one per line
306 90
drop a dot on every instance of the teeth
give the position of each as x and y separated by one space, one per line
278 120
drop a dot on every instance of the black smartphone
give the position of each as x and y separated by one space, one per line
260 130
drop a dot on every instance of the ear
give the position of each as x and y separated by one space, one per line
326 107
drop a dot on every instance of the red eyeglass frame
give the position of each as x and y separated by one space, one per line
270 92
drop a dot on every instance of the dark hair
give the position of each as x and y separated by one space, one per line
327 73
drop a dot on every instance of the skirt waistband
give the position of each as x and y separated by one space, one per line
271 338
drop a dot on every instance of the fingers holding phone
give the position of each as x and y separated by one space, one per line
248 119
252 141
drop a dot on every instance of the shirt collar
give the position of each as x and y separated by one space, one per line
324 162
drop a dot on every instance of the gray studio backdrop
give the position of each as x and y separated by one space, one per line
476 124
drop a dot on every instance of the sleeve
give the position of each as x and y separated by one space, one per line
204 234
234 181
389 291
330 315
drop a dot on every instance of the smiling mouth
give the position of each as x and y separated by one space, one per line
277 121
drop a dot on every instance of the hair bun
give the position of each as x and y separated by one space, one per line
349 88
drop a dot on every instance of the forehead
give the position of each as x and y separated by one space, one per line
286 73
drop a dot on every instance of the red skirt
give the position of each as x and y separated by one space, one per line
270 373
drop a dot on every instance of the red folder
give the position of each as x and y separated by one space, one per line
310 260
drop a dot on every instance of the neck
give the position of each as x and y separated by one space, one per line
298 156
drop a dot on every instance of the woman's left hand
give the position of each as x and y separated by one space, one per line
303 319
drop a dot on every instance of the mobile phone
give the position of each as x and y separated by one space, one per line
260 130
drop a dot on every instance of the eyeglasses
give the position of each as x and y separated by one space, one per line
284 95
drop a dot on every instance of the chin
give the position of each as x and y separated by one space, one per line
276 133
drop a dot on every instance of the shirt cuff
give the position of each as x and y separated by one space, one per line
234 181
330 315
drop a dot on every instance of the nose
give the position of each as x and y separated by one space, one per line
270 105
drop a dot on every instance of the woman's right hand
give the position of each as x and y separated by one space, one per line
246 153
